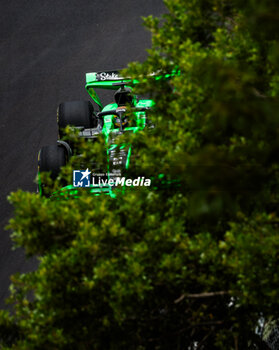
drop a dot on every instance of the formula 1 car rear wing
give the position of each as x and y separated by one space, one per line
109 79
105 76
103 80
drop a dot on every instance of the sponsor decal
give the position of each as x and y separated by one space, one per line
110 75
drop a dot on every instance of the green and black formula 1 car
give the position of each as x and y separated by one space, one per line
111 120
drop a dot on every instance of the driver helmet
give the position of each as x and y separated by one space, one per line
125 121
123 96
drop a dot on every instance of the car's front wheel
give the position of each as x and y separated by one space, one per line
51 159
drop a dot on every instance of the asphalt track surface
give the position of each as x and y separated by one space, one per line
46 49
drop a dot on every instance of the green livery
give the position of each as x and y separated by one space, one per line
111 120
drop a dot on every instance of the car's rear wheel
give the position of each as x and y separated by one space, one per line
75 113
51 159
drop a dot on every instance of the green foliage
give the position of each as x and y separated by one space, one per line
186 264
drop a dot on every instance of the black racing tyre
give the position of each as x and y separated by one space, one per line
75 113
52 158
